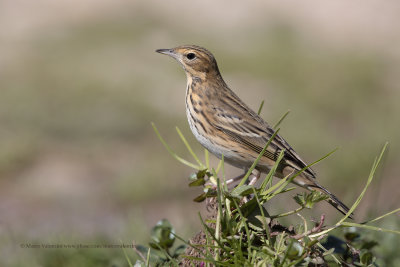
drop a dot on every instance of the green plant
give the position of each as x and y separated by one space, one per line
159 251
240 231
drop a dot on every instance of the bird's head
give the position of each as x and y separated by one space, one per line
195 60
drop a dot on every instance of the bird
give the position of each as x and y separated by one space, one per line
227 127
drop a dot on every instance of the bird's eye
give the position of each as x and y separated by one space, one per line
190 56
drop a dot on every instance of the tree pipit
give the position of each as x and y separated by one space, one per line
225 125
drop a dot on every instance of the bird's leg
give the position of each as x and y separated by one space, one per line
254 176
229 181
232 180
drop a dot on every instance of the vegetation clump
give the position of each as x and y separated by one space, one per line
240 232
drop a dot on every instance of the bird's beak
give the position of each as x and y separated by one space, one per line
169 52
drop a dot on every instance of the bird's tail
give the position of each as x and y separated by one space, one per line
312 185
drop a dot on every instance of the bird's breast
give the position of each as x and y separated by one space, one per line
200 120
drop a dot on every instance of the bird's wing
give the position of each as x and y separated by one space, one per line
245 126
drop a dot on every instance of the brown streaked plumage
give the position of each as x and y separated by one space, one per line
224 124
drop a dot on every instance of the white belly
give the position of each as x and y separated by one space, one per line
229 156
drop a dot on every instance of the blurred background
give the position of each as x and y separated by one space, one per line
80 84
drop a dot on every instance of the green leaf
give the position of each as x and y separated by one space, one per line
257 222
200 198
203 173
307 200
351 234
328 252
211 192
248 207
231 196
243 190
198 182
295 250
366 257
163 235
299 198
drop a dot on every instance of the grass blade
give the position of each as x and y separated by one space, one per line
370 227
126 256
357 202
207 158
370 177
195 247
148 258
257 160
276 125
173 154
264 220
189 148
260 108
287 180
272 171
382 216
220 163
275 186
207 230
